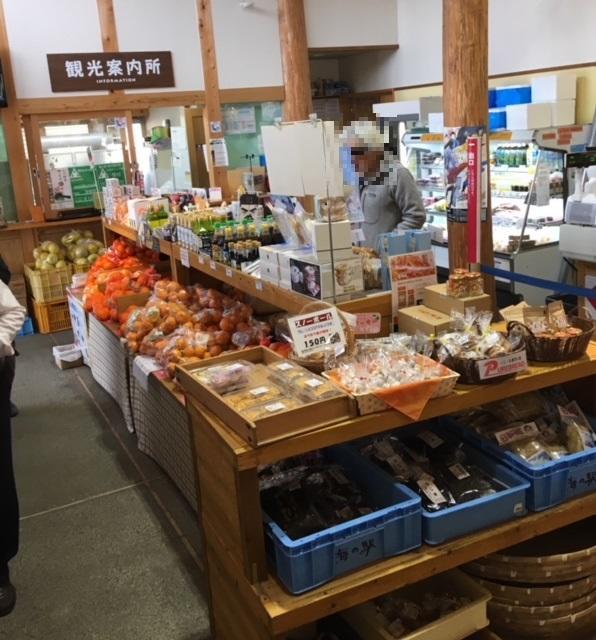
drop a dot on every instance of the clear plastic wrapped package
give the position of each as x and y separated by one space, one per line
225 378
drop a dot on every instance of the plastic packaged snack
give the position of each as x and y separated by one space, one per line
226 377
271 408
312 388
254 395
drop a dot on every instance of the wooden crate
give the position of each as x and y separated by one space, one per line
52 316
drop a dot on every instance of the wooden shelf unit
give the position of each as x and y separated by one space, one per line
247 602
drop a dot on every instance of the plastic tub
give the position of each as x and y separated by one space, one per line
393 528
465 518
549 484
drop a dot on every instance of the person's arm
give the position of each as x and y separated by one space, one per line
407 197
12 316
4 272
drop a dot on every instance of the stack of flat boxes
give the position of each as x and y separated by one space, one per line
294 269
548 102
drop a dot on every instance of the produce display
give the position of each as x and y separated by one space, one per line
307 495
78 248
435 469
179 324
124 269
257 390
401 616
539 427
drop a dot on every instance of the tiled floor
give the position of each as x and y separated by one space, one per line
109 547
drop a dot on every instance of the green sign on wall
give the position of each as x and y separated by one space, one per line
86 181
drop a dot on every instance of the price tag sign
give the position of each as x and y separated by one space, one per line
212 265
228 272
502 365
201 258
368 323
312 332
184 257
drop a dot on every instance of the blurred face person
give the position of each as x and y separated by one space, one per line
366 161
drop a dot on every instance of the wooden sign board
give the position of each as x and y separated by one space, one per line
106 71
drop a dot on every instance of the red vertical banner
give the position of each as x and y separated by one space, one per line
474 197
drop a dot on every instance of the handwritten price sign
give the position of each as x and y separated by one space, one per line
312 332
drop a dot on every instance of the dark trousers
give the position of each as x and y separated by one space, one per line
9 506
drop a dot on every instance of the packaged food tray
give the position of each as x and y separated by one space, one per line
47 286
551 483
393 528
457 625
465 518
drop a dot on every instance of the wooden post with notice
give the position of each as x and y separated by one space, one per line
465 104
218 175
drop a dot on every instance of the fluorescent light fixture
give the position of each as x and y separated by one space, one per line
67 130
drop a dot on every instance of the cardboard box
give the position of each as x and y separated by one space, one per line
435 297
136 299
562 112
270 272
421 319
340 231
523 117
554 87
316 280
398 242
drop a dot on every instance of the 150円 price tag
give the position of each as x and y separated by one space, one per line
313 332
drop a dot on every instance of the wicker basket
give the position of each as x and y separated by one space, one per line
317 365
52 316
469 370
47 286
557 349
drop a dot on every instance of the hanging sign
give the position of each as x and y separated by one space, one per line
474 194
105 71
312 332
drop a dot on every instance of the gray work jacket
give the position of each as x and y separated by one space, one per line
393 203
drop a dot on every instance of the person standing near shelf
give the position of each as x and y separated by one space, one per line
12 316
389 196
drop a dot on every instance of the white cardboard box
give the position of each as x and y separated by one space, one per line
341 233
269 272
562 112
316 280
554 87
522 117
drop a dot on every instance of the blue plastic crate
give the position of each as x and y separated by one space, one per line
27 329
505 96
551 483
492 98
465 518
393 528
497 119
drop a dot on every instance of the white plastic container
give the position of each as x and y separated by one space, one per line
553 88
524 117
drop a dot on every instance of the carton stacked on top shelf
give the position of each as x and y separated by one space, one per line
463 291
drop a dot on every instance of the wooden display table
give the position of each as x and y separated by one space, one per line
249 603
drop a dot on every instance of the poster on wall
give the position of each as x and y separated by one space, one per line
456 171
60 189
239 120
86 181
410 273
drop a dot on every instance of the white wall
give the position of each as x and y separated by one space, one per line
523 35
38 27
156 25
247 44
345 23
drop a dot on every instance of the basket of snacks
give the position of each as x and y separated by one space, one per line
480 354
553 336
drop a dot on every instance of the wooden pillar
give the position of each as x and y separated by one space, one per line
218 176
107 25
465 103
294 56
11 122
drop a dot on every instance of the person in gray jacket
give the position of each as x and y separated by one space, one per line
389 196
